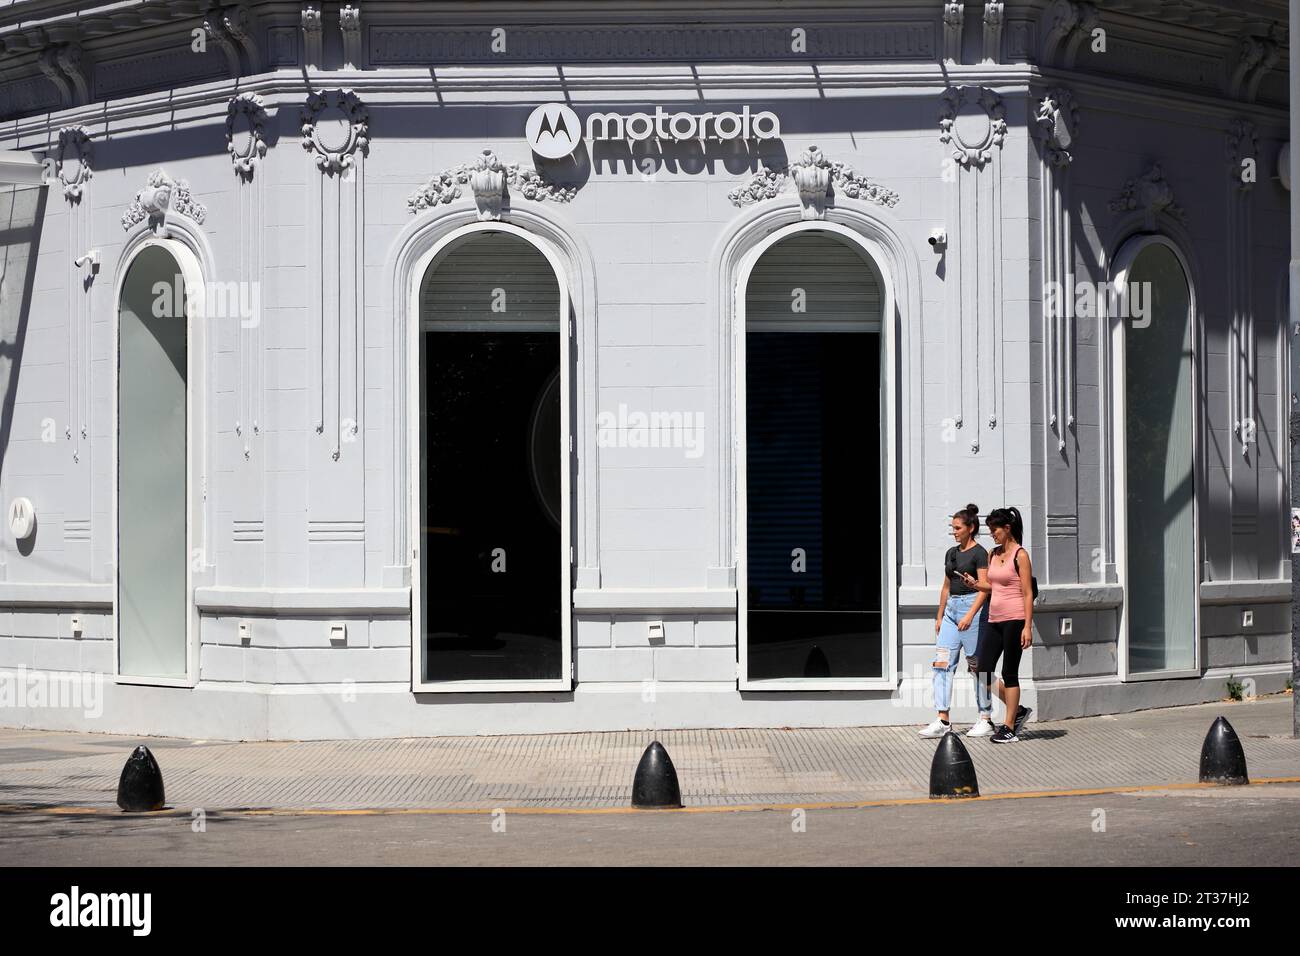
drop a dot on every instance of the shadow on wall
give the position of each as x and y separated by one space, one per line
22 214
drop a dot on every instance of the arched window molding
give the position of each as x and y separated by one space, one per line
408 259
1114 471
189 248
878 240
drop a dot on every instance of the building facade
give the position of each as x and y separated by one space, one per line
454 368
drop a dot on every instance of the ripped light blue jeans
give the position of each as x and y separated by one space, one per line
956 641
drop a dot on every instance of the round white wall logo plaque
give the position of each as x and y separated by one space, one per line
553 130
22 518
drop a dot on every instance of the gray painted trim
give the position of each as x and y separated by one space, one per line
24 594
1055 597
224 600
1246 592
21 169
912 599
1110 680
648 599
1066 597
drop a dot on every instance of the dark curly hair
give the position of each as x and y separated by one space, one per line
1007 518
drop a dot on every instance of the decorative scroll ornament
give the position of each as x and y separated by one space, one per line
1151 194
1064 26
232 29
489 180
162 195
972 121
1242 144
63 65
1059 121
1255 57
73 160
245 147
335 150
812 176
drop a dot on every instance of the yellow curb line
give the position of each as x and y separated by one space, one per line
580 811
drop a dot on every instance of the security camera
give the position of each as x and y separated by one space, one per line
938 239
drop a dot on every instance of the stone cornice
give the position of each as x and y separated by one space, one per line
206 101
905 30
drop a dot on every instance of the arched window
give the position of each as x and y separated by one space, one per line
1156 435
811 463
153 516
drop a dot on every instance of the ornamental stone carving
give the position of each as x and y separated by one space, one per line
350 27
1255 57
1242 144
954 16
73 161
972 121
814 178
62 65
767 183
1063 27
312 36
245 119
993 20
1058 120
488 180
335 126
1150 194
160 197
231 29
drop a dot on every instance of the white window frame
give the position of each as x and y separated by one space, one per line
889 540
415 330
195 352
1123 266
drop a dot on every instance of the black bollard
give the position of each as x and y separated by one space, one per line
952 772
1222 758
816 663
141 786
655 785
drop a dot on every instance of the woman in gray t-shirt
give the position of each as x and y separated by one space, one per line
959 622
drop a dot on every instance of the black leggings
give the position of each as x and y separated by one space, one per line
1001 639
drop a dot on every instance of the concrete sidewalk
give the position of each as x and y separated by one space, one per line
594 770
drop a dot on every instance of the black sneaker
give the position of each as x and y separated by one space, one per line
1022 714
1005 735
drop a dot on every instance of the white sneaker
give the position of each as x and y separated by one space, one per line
983 728
936 729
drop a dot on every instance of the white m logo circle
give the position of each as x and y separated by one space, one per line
553 130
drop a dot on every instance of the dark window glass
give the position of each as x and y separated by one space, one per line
813 483
491 539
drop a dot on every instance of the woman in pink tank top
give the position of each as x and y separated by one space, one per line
1011 612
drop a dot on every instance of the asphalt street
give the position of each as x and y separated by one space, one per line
1222 827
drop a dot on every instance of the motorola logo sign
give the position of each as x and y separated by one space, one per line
553 130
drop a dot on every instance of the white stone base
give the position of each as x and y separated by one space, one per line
214 711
